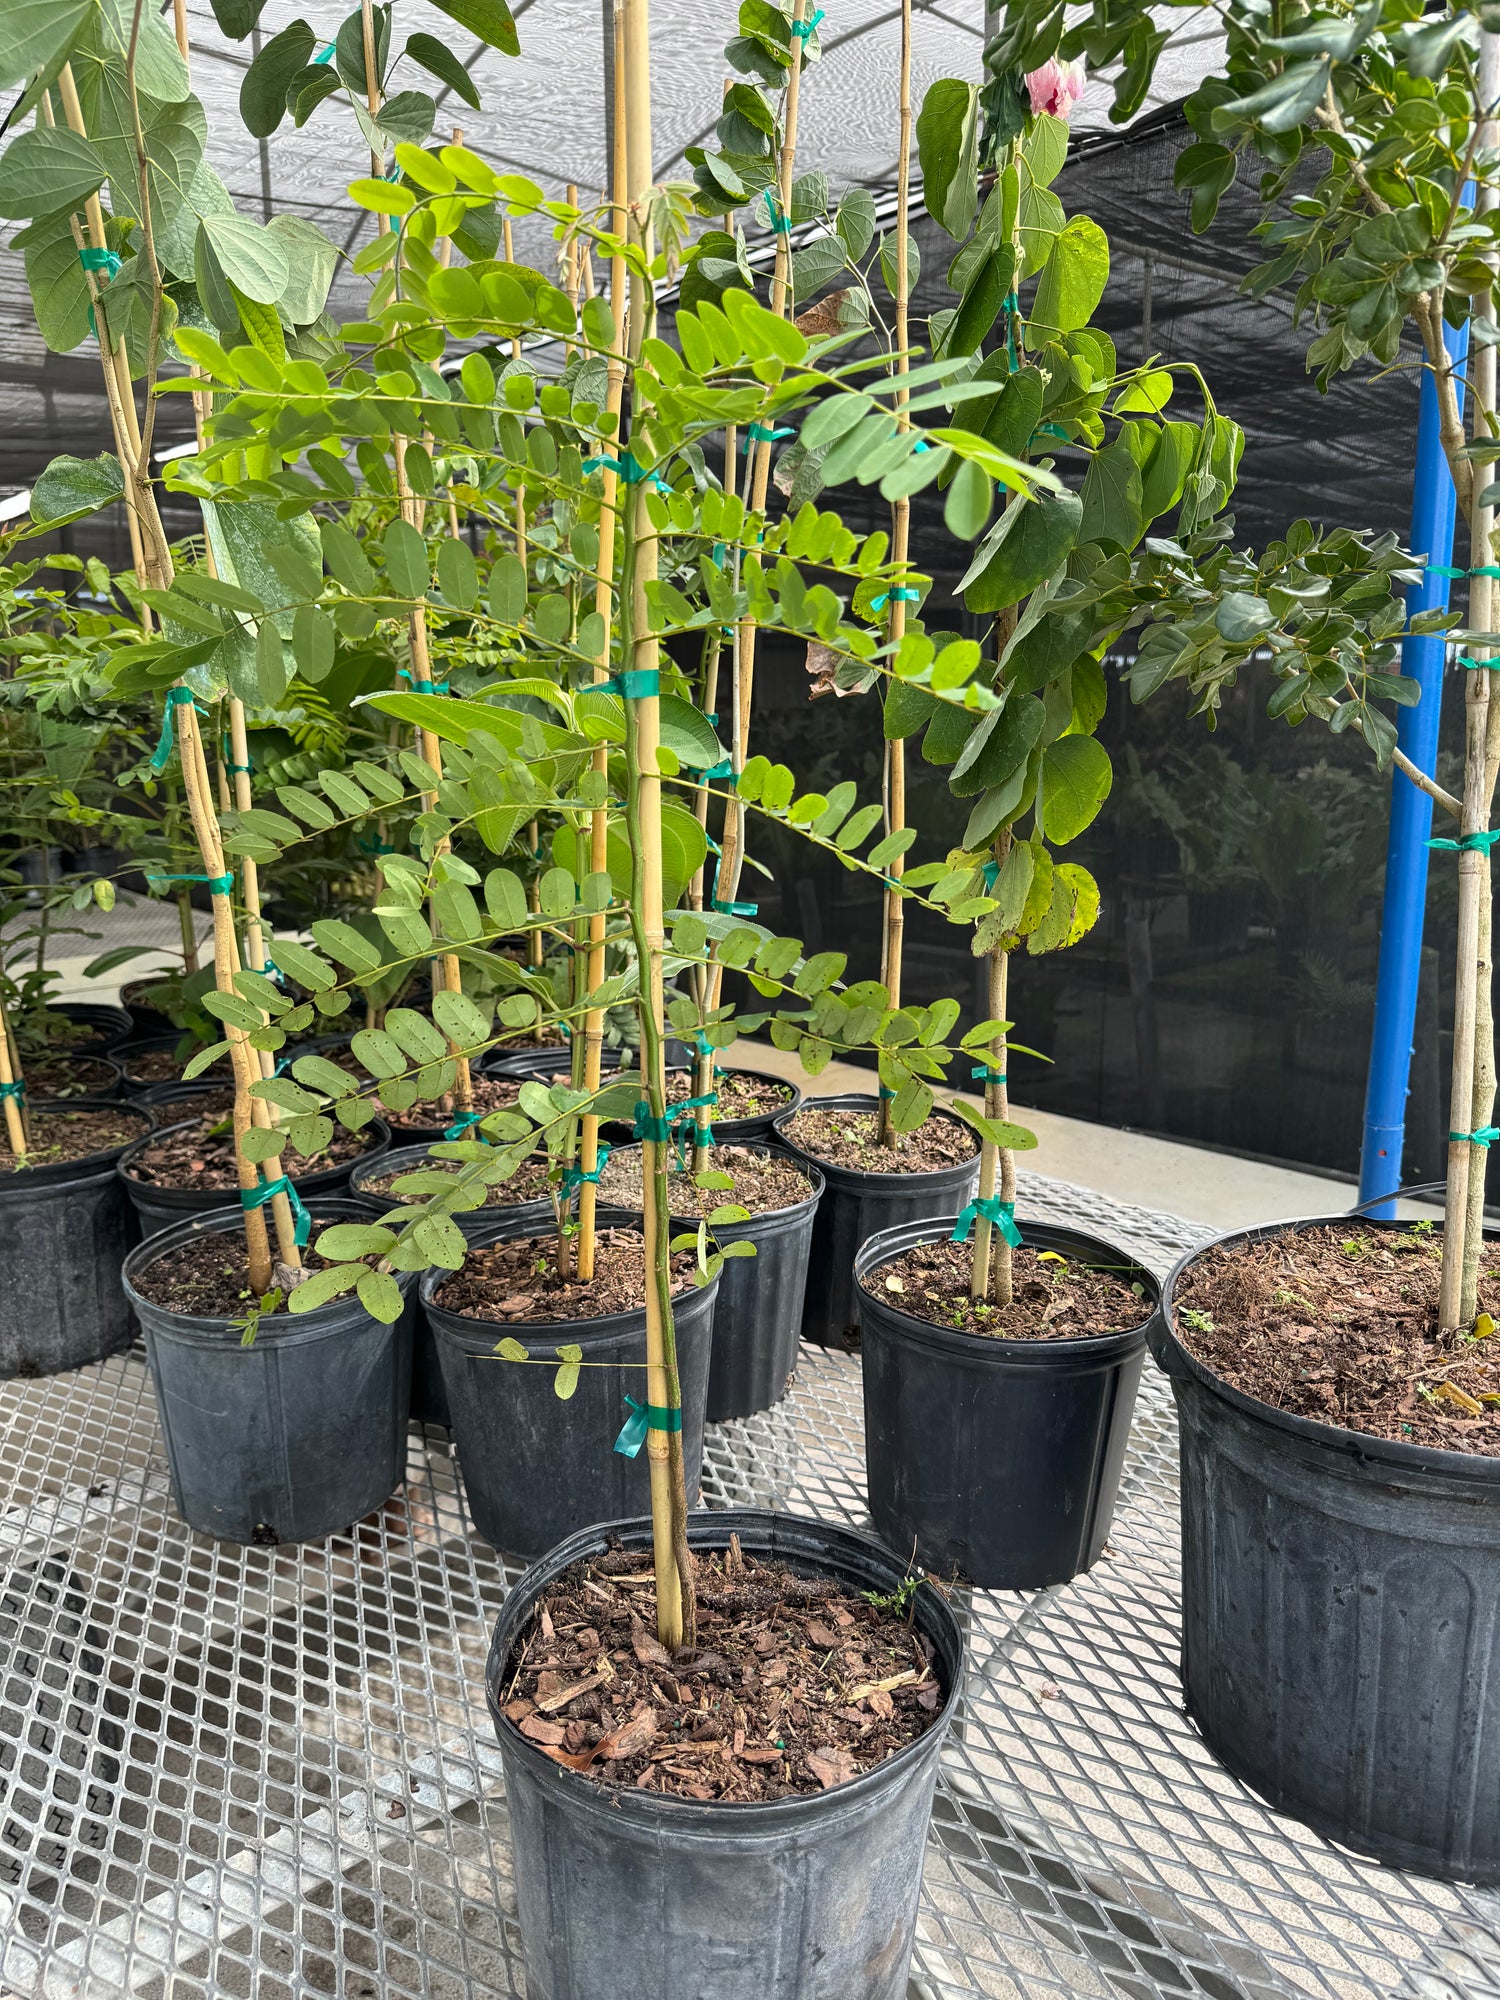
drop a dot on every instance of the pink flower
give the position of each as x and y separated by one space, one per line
1056 87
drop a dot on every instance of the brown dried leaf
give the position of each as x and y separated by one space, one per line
832 1765
820 1634
630 1738
647 1648
880 1704
550 1704
822 665
824 317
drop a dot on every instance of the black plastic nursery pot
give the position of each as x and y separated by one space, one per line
161 1097
1339 1629
997 1461
545 1059
106 1026
138 1081
807 1898
858 1206
298 1435
63 1231
429 1395
146 1021
66 1077
160 1207
537 1468
758 1314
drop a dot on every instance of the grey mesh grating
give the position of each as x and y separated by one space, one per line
269 1772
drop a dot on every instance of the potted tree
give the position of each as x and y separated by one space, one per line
1339 1458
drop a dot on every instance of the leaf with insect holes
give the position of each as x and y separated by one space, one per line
512 1350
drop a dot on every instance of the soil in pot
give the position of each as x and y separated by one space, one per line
51 1077
519 1280
1054 1297
1339 1325
211 1107
161 1063
63 1138
209 1277
741 1094
197 1158
847 1139
797 1683
762 1183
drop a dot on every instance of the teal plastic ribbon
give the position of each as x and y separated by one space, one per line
703 1045
16 1089
781 224
644 1417
1051 430
899 595
177 697
991 874
888 1095
461 1124
421 687
723 769
257 1197
635 684
1478 666
219 885
1485 1136
106 261
990 1206
761 434
1471 843
1011 307
630 470
324 55
736 909
575 1176
984 1074
802 29
648 1128
1443 569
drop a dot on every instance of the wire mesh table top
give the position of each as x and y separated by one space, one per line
269 1772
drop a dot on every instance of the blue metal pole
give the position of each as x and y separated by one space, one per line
1432 512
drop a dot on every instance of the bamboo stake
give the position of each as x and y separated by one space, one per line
593 1022
372 92
992 1264
15 1102
895 768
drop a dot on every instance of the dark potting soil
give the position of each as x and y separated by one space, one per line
761 1183
740 1095
1054 1297
147 1066
61 1136
212 1106
53 1077
209 1276
795 1685
847 1139
528 1183
519 1280
1340 1325
194 1158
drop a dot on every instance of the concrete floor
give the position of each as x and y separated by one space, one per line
1218 1189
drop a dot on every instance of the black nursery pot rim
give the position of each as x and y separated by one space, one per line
604 1329
88 1166
281 1328
883 1248
712 1528
807 1167
1472 1468
377 1129
853 1100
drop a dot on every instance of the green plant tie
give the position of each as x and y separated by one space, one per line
735 909
1051 430
422 687
461 1123
16 1089
106 261
257 1197
1443 569
723 769
271 969
703 1045
575 1176
762 434
802 29
987 1075
899 595
219 885
644 1417
1478 666
1485 1136
635 684
889 1095
991 875
630 470
990 1206
324 55
1011 307
176 698
781 224
648 1128
1469 843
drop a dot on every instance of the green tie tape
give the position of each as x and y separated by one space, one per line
1485 1136
421 687
257 1197
1443 569
630 470
760 434
16 1089
219 885
644 1417
987 1075
802 29
900 595
990 1206
635 684
177 697
461 1124
1469 843
576 1177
